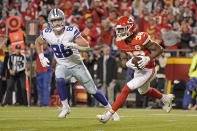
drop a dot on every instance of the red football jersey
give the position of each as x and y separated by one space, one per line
136 47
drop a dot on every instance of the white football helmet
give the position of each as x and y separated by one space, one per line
55 14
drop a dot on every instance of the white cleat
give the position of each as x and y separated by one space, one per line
168 102
65 111
105 117
115 117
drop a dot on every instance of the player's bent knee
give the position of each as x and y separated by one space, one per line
90 87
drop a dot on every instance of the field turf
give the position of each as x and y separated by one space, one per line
84 119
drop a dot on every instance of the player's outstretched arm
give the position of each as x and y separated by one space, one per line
39 42
82 43
39 48
154 48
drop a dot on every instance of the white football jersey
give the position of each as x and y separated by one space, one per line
66 56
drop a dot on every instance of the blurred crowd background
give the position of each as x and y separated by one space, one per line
171 23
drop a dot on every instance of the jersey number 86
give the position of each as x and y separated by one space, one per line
60 51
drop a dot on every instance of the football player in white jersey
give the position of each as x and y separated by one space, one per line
66 41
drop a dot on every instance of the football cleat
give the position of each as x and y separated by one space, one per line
105 117
167 100
115 117
65 111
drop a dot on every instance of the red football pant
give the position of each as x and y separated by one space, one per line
152 92
121 99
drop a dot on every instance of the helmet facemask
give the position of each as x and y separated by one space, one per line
122 32
59 27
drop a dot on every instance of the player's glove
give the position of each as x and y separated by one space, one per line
43 60
70 45
143 62
129 64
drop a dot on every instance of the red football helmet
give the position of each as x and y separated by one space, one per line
125 27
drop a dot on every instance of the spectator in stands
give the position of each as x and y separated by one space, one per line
193 41
90 33
177 26
170 38
68 9
113 16
44 76
145 21
15 11
185 36
59 4
176 4
5 72
6 5
96 55
106 33
33 9
187 14
191 85
76 9
97 11
42 8
42 22
27 16
16 66
4 15
107 73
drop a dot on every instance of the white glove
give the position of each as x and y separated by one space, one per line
43 60
143 62
129 64
70 45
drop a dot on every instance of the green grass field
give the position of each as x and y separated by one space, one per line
84 119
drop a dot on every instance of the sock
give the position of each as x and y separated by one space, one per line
101 98
121 99
61 88
152 92
65 103
108 107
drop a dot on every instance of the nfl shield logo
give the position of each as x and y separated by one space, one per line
16 36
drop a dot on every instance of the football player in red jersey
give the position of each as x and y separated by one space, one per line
140 45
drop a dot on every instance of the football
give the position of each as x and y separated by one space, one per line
135 61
